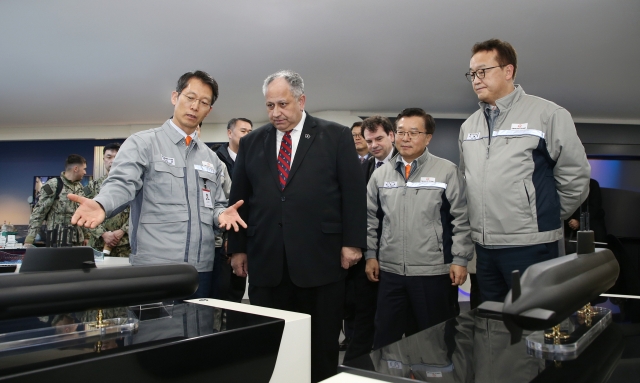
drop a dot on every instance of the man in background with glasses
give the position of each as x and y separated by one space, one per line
361 146
173 183
422 251
525 169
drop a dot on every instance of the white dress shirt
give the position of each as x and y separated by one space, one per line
295 137
232 154
385 160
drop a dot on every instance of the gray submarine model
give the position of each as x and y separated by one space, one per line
551 291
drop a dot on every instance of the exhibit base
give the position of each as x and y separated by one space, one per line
575 334
61 330
202 340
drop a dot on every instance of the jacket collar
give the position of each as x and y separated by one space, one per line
174 136
415 164
223 150
506 102
66 181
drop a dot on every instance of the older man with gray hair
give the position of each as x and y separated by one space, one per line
302 185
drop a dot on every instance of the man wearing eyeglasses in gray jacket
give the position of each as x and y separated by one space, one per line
173 183
422 251
525 169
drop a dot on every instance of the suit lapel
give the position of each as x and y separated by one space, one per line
306 139
269 146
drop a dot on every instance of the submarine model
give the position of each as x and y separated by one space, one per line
551 291
43 293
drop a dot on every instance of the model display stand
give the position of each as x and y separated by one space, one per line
70 328
571 337
153 311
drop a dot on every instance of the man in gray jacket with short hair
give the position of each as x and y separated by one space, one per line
174 184
525 169
419 200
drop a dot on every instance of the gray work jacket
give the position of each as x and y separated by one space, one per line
530 175
164 181
425 227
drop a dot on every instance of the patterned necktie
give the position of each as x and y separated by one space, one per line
379 164
407 171
284 159
362 160
187 140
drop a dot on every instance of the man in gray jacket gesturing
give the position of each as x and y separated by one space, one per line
525 169
174 184
419 200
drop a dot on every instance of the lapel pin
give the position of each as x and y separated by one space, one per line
307 136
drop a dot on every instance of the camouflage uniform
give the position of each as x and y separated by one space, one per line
56 212
119 221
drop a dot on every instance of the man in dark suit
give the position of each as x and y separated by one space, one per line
350 295
226 285
378 133
358 140
302 185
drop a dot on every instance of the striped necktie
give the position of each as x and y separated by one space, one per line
284 159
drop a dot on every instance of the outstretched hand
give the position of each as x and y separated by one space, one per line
89 214
230 217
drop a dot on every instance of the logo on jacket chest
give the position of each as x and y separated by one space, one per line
169 160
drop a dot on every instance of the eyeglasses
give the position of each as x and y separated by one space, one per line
480 73
412 134
357 135
190 100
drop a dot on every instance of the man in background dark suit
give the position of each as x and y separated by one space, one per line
358 140
378 133
303 189
350 294
226 285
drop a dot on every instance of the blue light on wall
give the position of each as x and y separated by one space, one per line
608 173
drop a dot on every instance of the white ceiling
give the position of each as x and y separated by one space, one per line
96 63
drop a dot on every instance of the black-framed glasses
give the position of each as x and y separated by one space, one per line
190 100
412 134
480 73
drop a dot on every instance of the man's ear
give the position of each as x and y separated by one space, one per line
509 70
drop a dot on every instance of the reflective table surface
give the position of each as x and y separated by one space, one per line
186 341
476 347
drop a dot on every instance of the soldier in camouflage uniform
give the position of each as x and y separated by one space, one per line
56 209
113 231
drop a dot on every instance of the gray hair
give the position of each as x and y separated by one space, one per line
296 84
